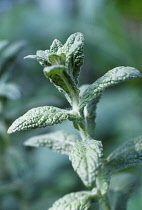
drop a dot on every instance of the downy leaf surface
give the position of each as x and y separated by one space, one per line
73 201
60 141
127 155
86 159
73 49
40 117
111 78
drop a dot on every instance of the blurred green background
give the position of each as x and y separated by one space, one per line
32 179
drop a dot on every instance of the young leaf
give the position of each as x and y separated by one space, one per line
73 201
59 141
127 155
56 44
86 159
73 49
62 80
39 117
112 77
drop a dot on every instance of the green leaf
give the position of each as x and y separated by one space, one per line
59 141
73 49
86 159
127 155
62 80
73 201
10 91
111 78
56 44
40 117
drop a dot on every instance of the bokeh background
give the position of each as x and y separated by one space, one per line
33 178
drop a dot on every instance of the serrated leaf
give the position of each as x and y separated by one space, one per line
10 91
39 117
62 80
86 159
59 141
111 78
127 155
56 44
73 201
73 49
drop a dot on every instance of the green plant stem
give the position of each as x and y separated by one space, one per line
105 204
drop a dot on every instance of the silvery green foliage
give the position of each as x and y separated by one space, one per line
40 117
111 78
86 159
73 201
127 155
59 141
62 66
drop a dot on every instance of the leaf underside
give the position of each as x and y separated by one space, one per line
127 155
86 159
39 117
73 201
62 80
59 141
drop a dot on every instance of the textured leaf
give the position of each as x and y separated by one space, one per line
59 76
9 90
39 117
112 77
73 49
59 141
127 155
73 201
86 158
56 44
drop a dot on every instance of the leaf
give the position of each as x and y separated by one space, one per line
73 49
10 91
59 76
59 141
127 155
111 78
73 201
56 44
86 159
40 117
